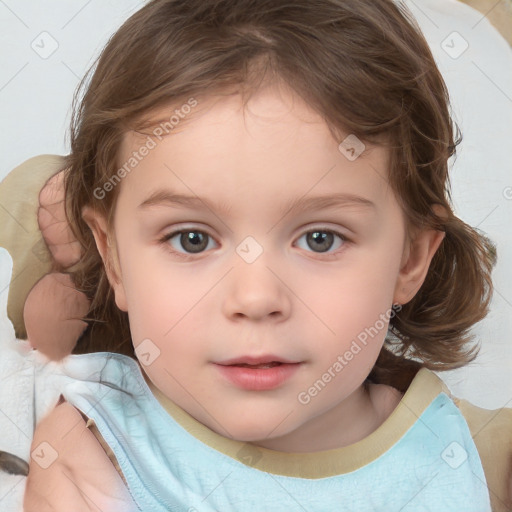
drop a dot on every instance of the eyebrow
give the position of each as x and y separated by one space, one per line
172 199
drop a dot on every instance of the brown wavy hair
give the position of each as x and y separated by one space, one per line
364 66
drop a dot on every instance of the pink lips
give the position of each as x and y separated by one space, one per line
257 373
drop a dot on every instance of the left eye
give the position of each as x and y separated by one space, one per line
321 240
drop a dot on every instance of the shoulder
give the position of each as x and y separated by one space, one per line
68 468
492 433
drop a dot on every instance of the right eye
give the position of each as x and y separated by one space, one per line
192 241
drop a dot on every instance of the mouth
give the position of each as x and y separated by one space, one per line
258 373
257 361
270 364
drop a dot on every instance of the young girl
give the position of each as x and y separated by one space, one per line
260 193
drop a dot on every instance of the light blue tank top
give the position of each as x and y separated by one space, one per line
434 466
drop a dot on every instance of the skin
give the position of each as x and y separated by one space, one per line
81 477
292 301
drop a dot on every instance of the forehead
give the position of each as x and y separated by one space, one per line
274 147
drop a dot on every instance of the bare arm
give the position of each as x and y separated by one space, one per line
69 470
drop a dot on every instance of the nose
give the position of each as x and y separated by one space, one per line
256 292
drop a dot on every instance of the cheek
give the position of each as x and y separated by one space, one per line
156 309
156 297
356 295
175 316
353 307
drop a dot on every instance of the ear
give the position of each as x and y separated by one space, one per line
418 254
98 224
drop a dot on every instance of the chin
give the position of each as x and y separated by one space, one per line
249 429
250 434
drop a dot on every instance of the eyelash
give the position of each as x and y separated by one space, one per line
190 256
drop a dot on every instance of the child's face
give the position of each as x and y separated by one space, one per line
258 285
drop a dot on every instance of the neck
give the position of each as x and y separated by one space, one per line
352 420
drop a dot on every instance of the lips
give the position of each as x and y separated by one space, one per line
257 373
